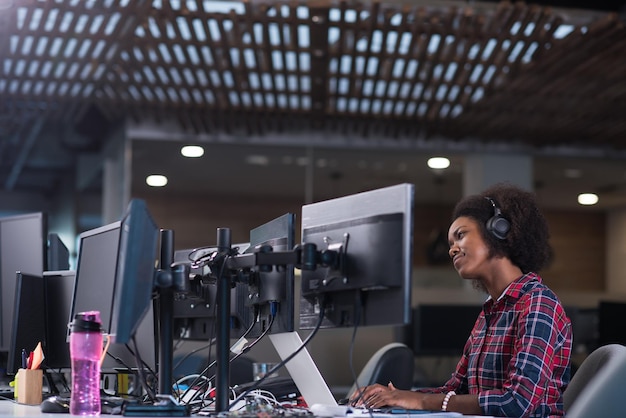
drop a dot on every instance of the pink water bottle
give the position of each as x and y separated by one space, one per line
85 352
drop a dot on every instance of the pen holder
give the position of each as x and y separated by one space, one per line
29 386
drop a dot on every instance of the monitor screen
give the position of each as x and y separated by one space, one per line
439 329
611 328
59 288
58 254
95 272
136 261
371 285
28 320
23 241
94 289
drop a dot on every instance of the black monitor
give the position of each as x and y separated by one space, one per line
273 290
29 325
136 262
195 311
374 231
58 254
59 289
42 307
95 272
23 241
441 329
94 290
611 329
584 328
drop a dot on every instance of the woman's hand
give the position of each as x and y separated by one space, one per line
379 396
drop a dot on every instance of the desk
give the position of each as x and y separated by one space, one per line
14 409
10 409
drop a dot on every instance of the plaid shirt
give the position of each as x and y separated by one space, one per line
517 358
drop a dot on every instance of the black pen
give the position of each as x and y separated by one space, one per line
24 359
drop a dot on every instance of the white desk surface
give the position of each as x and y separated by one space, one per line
13 409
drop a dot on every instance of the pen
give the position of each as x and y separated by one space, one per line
24 359
29 363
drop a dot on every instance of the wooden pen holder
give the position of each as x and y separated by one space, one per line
29 386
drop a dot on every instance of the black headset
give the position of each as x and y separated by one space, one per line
498 225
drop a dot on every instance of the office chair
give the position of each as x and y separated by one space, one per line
597 387
393 362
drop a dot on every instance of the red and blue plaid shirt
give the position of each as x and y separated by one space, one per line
517 358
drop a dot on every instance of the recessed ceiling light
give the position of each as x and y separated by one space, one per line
302 161
438 163
156 180
192 151
573 173
257 160
588 198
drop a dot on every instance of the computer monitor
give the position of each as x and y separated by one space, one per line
273 289
136 262
58 254
94 289
195 311
23 241
374 232
59 289
441 329
611 328
95 272
29 323
42 306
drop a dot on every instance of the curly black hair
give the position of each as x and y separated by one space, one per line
527 242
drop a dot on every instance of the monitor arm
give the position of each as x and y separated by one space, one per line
304 257
168 278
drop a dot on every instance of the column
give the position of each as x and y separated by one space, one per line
483 170
616 253
116 178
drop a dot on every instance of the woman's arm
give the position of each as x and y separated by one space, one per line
378 396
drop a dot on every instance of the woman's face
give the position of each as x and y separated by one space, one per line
468 249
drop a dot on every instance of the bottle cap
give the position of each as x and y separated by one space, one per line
87 322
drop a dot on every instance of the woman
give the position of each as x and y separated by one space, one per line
516 362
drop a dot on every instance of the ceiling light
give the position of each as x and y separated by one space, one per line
257 160
302 161
156 180
587 198
192 151
438 163
573 173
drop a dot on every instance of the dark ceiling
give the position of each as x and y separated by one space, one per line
546 79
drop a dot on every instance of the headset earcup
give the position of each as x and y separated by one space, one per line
498 226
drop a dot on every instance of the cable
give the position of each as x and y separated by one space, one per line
358 308
285 361
205 371
191 353
140 372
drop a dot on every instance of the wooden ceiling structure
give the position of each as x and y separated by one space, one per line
493 72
